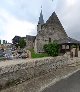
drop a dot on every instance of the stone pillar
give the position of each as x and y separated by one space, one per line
71 53
28 54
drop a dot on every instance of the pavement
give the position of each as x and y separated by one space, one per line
71 84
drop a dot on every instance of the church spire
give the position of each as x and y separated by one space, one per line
41 21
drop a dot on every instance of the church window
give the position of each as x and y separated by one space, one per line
49 39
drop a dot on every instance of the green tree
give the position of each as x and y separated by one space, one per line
22 43
52 49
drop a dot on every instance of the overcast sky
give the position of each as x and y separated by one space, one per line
20 17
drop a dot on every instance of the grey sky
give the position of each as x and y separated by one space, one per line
20 17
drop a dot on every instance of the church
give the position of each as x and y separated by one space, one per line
48 32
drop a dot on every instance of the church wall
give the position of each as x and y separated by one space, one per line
48 32
53 32
35 46
29 44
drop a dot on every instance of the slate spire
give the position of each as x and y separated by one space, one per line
41 20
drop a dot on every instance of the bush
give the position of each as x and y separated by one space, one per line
52 49
22 43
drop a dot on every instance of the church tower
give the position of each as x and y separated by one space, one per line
40 22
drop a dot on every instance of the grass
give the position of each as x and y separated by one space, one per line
36 55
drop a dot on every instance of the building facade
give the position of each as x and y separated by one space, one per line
48 32
30 40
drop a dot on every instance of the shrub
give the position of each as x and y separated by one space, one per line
52 49
22 43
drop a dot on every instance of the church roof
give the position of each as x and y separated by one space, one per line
53 18
41 20
68 40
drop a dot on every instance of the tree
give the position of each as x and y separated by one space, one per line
52 49
22 43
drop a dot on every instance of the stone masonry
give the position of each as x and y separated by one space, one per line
48 32
13 73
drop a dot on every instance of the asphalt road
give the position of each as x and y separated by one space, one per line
71 84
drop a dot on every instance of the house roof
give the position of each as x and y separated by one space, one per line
16 37
68 40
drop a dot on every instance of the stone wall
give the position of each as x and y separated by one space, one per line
53 32
14 74
52 29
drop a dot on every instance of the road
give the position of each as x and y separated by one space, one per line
71 84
